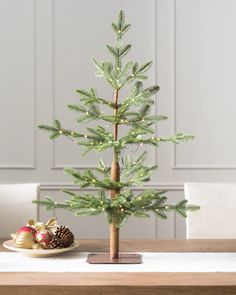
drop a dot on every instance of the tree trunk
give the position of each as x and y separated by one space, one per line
114 241
115 176
114 231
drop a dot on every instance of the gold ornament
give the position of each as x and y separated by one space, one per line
24 240
36 246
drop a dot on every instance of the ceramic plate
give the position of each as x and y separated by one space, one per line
38 253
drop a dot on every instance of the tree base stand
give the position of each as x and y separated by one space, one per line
104 258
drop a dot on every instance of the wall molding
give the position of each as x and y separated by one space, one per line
202 167
17 167
70 186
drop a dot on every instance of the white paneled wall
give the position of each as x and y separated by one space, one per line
17 91
46 49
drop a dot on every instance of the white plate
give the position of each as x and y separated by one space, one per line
38 253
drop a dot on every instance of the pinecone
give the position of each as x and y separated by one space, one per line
62 238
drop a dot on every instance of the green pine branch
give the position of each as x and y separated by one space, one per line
137 138
99 139
90 98
124 205
89 179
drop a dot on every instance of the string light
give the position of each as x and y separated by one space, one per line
86 136
87 113
60 132
72 133
75 141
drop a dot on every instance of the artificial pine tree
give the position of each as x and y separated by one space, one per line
114 181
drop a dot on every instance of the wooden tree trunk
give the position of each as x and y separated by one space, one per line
115 176
114 241
114 231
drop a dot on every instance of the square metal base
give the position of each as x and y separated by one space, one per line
104 258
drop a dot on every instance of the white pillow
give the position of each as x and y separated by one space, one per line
216 218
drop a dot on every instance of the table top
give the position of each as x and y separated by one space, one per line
131 283
155 246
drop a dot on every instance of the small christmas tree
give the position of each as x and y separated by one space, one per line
114 181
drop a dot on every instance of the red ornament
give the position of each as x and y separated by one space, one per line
43 237
26 229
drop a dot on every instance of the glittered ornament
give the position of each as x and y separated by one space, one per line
43 237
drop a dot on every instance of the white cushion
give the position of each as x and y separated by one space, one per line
16 206
217 217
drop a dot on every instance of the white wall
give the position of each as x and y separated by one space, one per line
46 47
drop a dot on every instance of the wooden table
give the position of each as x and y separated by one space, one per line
128 283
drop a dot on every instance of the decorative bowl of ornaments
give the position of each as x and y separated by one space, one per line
37 239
